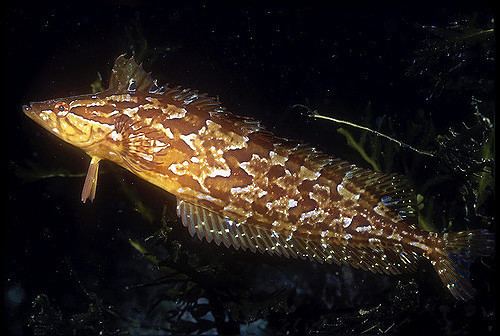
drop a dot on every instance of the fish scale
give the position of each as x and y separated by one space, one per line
240 186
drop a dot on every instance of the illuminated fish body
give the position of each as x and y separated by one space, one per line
241 186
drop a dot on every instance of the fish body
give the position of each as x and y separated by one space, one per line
241 186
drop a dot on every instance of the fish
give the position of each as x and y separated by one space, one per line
238 185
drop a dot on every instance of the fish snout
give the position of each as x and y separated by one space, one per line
27 109
35 112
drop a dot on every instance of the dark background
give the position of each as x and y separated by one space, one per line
260 59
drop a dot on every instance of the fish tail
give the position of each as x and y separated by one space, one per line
460 249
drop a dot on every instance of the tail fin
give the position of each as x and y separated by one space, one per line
460 249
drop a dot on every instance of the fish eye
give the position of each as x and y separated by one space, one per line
62 108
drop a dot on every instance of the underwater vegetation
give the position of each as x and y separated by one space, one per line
170 284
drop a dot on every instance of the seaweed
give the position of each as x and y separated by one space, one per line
449 55
30 172
464 157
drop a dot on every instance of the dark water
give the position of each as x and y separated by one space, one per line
411 72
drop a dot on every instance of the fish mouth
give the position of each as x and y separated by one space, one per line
29 111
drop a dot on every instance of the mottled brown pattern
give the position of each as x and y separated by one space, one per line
253 189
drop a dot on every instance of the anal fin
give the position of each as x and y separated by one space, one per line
90 185
208 225
211 226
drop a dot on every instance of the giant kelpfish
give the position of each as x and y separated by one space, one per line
240 185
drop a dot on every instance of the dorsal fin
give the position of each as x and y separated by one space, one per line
388 191
385 191
208 225
391 191
214 107
128 75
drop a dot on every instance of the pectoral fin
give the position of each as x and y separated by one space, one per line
90 184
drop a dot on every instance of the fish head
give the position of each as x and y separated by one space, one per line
82 121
